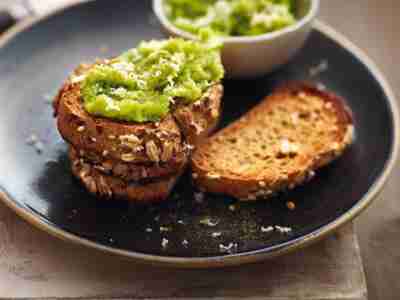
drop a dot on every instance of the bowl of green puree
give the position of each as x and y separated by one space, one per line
258 36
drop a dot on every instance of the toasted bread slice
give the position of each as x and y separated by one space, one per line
278 145
135 161
120 141
112 187
131 171
165 141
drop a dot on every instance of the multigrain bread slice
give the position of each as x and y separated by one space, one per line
276 146
134 161
121 141
112 187
164 141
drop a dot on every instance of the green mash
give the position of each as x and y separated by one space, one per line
142 83
231 17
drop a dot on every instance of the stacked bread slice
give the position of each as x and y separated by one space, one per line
135 161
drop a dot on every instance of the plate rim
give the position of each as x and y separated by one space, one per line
248 256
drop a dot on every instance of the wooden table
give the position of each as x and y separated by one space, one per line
34 265
374 26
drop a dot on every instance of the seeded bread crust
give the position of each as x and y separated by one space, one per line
165 141
278 145
112 187
131 171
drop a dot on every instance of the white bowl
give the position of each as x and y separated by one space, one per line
250 56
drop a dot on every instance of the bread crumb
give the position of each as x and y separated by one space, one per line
164 229
290 205
164 243
231 248
267 229
208 222
310 175
283 229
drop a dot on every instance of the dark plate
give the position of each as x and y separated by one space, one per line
35 59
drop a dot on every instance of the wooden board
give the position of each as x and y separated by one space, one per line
34 265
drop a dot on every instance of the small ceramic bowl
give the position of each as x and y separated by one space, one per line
250 56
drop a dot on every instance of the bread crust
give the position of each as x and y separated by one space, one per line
265 182
132 171
112 187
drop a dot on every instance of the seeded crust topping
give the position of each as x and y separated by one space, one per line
109 186
130 170
152 151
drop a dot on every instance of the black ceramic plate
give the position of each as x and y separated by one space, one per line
35 59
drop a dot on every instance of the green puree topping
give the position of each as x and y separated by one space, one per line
142 83
231 17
